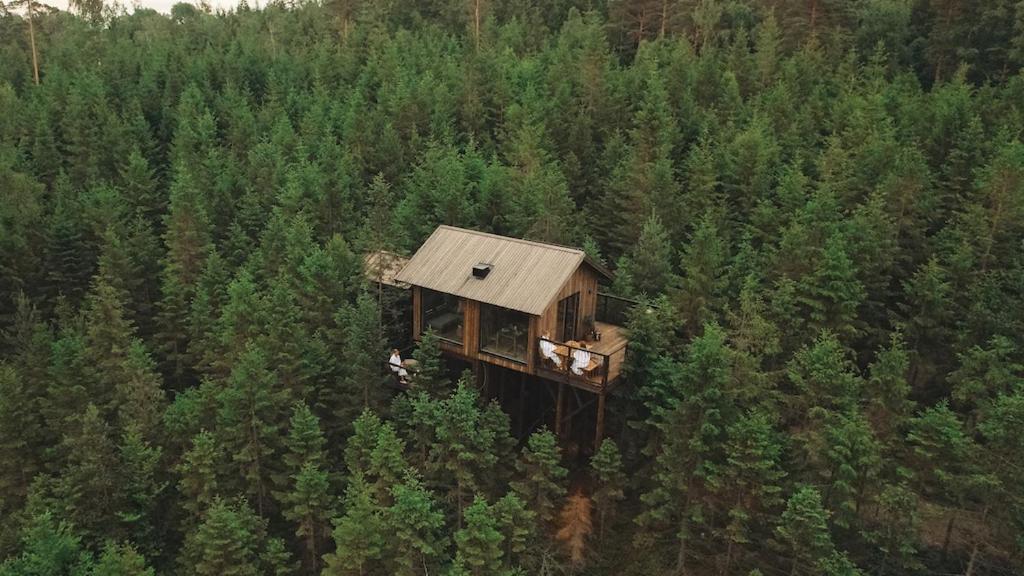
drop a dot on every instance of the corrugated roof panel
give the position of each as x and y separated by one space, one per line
524 275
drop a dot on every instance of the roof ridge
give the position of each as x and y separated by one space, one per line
513 239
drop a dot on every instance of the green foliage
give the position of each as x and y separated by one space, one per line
360 534
539 474
819 201
478 543
610 479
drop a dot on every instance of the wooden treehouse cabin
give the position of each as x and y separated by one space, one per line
520 312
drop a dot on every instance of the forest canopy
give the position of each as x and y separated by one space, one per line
820 204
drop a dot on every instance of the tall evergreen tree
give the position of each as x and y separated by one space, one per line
539 474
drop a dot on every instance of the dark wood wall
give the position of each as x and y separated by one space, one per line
584 281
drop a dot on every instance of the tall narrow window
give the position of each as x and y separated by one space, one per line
568 312
504 332
442 313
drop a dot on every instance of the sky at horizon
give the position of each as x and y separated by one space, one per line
164 6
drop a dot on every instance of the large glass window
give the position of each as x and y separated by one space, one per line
443 313
568 309
504 332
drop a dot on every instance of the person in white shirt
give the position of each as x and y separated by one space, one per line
547 350
580 360
395 362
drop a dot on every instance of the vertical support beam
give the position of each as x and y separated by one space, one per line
521 425
599 433
558 409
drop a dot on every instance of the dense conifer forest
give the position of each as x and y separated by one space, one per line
820 203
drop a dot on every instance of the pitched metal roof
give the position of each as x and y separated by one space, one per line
524 276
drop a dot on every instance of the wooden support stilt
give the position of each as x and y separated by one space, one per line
558 409
599 433
521 425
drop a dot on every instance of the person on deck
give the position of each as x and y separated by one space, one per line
580 360
397 367
547 350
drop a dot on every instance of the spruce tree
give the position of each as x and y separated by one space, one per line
479 543
359 534
429 375
751 478
252 409
416 525
610 483
143 487
198 483
518 528
804 532
539 475
91 485
224 544
120 560
462 456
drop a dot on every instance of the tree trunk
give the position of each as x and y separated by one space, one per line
32 40
976 548
664 18
476 23
949 536
681 551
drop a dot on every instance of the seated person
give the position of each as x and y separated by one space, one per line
547 350
580 360
397 366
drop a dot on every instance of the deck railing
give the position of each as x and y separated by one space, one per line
575 363
613 309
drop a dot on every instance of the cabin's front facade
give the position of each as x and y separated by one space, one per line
525 306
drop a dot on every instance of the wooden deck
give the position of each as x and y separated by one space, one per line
612 346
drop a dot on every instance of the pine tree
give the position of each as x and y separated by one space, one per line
108 338
305 496
251 413
143 491
376 453
832 293
91 485
462 456
751 478
198 482
689 421
701 283
804 531
359 535
224 544
539 474
139 395
49 548
22 438
187 238
889 391
518 528
430 369
139 183
416 526
479 544
853 460
362 351
610 480
120 560
308 505
649 264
